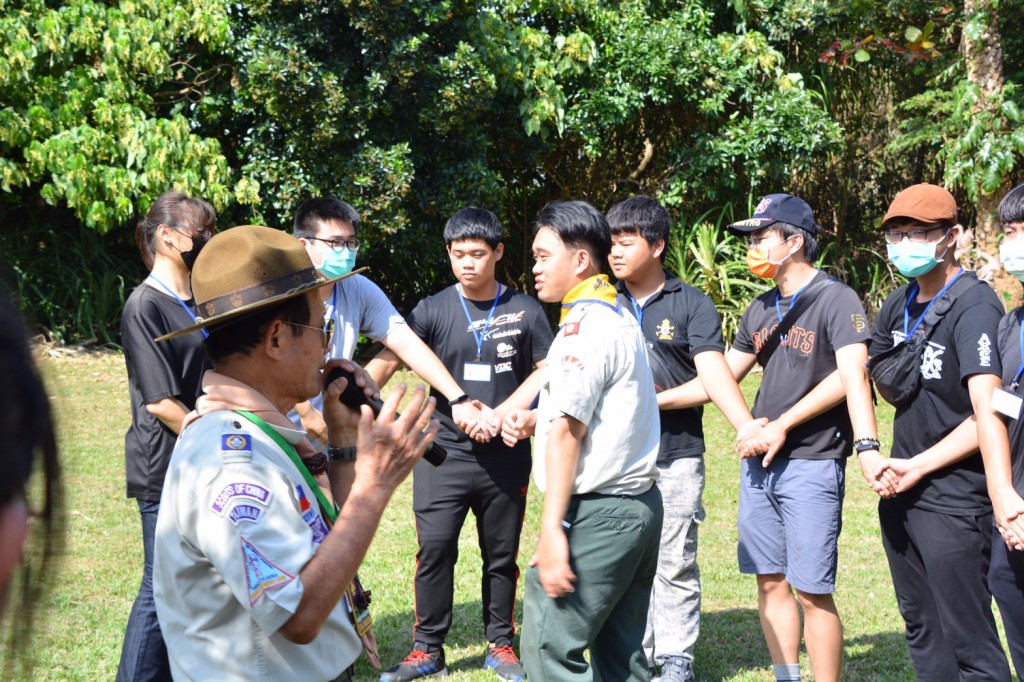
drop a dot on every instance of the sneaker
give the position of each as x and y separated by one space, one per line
677 669
422 661
502 659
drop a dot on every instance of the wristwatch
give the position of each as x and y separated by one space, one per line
347 454
458 401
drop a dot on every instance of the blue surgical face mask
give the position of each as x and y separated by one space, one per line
337 262
1011 253
914 259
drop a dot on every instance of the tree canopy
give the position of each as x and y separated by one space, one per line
410 110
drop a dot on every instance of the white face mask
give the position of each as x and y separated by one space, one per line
1011 253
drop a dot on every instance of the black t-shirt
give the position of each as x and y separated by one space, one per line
678 323
517 337
835 319
962 344
1009 354
169 369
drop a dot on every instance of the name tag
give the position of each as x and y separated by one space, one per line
475 371
1006 403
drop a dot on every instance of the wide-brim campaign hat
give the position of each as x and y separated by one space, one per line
925 202
778 208
245 269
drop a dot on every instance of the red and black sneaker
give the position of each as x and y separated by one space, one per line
502 659
422 661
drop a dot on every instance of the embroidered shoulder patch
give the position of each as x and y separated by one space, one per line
261 574
250 491
317 525
245 512
236 442
304 505
571 329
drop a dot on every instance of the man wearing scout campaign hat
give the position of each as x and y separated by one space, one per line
247 570
791 487
937 532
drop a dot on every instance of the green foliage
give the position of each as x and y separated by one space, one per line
82 122
705 256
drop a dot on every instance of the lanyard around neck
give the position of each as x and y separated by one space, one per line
178 298
778 297
910 299
479 336
328 508
1020 370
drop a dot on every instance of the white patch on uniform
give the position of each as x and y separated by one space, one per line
985 351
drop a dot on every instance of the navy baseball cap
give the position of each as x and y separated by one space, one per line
777 208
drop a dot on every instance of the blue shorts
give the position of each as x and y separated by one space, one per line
790 518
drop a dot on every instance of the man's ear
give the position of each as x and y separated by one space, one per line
658 248
582 263
273 342
499 251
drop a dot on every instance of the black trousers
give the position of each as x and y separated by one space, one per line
496 494
1006 580
939 565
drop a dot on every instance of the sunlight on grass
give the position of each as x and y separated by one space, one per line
81 639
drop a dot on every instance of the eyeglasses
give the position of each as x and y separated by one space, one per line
755 242
337 244
327 330
915 236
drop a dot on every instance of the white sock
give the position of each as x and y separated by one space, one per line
787 672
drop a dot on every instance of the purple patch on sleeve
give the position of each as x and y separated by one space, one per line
251 491
245 512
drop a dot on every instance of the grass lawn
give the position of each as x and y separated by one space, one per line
81 637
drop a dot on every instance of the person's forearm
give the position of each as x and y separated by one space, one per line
560 464
854 374
958 444
827 394
522 398
170 411
329 573
690 394
993 439
420 359
383 366
714 374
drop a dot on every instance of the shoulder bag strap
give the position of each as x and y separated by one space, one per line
942 306
803 302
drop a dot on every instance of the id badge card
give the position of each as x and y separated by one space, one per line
1005 402
476 371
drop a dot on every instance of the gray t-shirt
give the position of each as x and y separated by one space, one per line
807 355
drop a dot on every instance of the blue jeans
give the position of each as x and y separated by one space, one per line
143 654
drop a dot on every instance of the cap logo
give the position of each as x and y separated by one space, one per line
763 206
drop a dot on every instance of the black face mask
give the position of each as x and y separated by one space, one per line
189 257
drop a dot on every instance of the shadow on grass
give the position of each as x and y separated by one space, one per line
731 646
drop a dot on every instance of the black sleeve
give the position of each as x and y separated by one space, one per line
156 367
541 335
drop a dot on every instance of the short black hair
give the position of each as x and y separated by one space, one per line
641 215
811 248
243 334
578 225
473 223
313 211
1011 208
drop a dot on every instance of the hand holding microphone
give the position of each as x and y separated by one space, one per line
353 397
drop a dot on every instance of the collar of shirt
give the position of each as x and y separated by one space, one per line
596 289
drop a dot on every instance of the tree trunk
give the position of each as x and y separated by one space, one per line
984 61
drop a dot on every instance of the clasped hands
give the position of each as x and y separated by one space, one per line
480 422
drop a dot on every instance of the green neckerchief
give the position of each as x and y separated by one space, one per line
329 509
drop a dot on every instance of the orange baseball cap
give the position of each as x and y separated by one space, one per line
924 202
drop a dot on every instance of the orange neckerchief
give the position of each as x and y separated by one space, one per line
596 289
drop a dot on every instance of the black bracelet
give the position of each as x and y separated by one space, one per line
457 401
347 454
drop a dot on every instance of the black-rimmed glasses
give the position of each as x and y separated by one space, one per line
352 244
916 236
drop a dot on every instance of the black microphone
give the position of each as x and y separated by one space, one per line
353 397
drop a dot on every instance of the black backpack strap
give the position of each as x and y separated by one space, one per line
941 306
803 302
